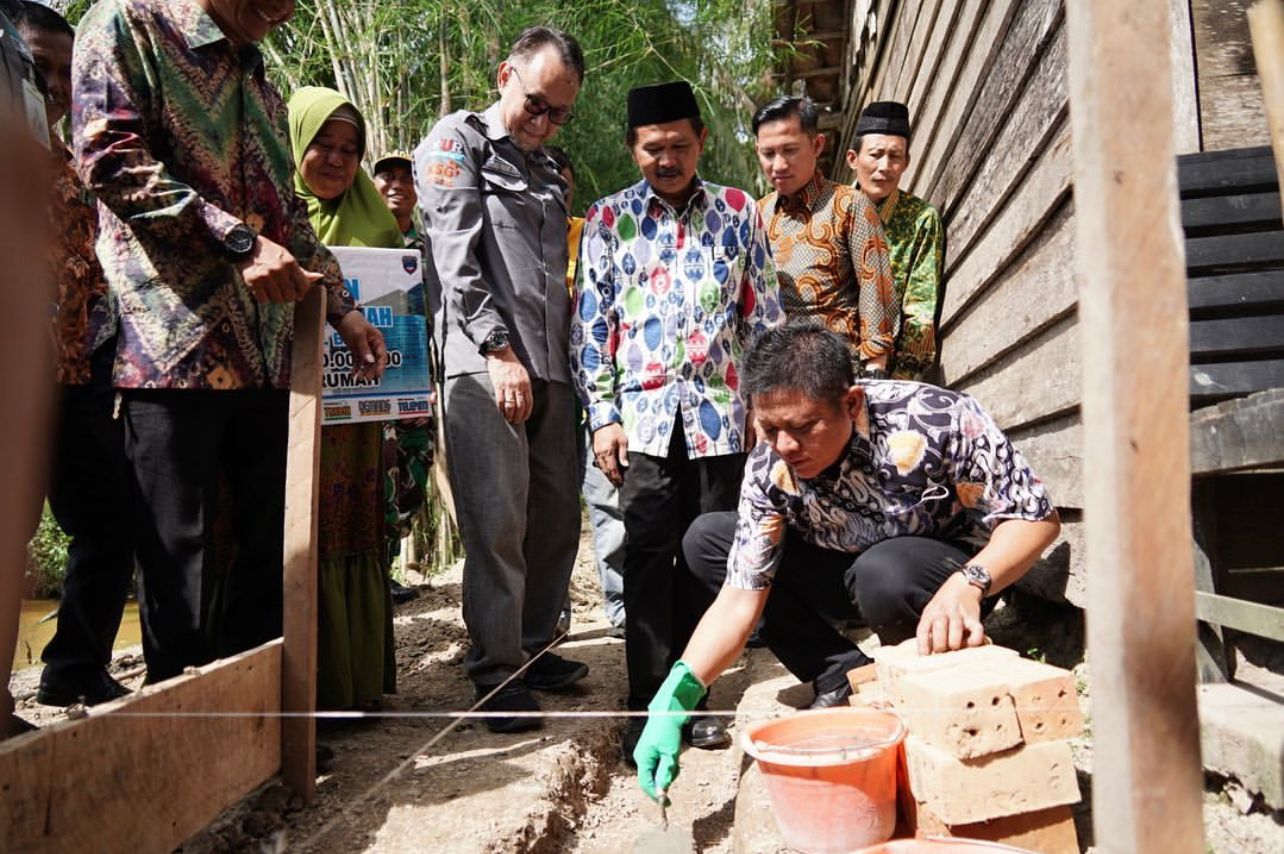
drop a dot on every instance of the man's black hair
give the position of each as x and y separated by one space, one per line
534 39
802 355
28 15
788 107
561 158
697 125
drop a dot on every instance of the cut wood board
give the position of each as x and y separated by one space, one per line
302 484
135 776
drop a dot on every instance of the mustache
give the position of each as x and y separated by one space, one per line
668 172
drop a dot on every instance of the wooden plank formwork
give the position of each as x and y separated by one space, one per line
146 772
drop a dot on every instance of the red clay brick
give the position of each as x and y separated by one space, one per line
895 661
1047 705
1049 831
862 675
965 711
1025 779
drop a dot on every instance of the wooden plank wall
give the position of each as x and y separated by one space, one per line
115 783
1230 96
986 85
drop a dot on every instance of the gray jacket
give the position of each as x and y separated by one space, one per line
495 228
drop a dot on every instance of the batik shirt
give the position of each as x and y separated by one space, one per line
666 302
914 233
181 137
83 318
922 461
830 254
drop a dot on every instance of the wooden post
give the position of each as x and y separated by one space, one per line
24 355
1147 783
1266 23
299 657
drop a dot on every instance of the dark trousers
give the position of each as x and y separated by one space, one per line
89 495
663 602
887 586
519 517
180 444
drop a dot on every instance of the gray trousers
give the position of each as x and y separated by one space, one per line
519 517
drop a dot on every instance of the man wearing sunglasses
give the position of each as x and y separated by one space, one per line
494 212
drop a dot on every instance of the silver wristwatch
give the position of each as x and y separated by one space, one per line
978 576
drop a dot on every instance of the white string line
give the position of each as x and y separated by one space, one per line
464 715
471 714
360 800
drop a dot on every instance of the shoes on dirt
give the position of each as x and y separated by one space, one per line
59 688
401 594
629 741
706 732
513 697
834 697
551 672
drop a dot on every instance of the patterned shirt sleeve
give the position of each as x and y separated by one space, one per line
990 476
918 312
313 255
113 97
877 292
759 542
759 289
595 324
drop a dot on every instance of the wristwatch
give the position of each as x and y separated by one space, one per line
978 576
239 242
494 342
875 373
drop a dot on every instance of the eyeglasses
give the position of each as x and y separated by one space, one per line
537 106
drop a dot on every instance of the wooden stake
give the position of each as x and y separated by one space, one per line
1147 784
1266 23
302 474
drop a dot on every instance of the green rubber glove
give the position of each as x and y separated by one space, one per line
657 752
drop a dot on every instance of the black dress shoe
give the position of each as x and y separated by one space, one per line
401 594
59 689
836 697
629 741
19 726
706 732
551 672
513 697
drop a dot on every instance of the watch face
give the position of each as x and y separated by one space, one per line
240 241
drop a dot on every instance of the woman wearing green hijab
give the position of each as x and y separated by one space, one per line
354 641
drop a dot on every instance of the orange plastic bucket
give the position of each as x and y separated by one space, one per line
830 775
942 845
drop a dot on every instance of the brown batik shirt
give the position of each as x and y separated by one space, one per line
832 261
83 317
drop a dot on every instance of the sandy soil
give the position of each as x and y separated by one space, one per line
564 788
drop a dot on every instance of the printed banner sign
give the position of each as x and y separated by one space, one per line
388 287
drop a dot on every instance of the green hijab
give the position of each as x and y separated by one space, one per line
359 217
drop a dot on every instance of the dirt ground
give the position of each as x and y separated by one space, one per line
394 783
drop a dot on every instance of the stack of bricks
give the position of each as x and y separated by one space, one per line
987 755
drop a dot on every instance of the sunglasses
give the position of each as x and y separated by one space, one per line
537 106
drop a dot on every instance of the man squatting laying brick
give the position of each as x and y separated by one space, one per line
896 503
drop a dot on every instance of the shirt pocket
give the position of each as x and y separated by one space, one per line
504 190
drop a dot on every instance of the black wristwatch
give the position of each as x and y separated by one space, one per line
978 576
494 342
239 243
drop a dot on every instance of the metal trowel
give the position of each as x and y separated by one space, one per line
665 840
